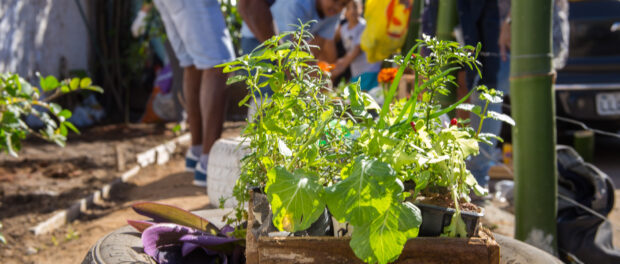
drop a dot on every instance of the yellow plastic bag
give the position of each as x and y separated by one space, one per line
387 22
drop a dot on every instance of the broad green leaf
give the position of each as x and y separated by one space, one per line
438 159
283 148
228 68
93 88
72 127
300 130
326 115
480 191
409 219
469 146
267 162
403 159
65 89
366 193
74 84
244 100
457 227
273 126
471 108
501 117
489 136
276 81
358 106
236 79
49 83
86 82
65 113
383 239
172 214
27 88
492 98
55 108
9 144
62 129
296 198
370 102
485 140
422 180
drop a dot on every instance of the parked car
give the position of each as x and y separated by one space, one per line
588 87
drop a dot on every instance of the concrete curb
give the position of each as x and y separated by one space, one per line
159 154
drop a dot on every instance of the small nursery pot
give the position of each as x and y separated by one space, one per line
264 225
436 218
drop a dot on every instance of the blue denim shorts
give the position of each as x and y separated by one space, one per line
197 31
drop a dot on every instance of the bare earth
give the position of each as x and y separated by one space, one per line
47 178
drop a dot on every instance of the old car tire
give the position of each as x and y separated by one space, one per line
515 252
121 246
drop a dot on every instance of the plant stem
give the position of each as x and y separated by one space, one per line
428 109
483 116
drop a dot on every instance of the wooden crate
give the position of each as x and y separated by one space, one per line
268 250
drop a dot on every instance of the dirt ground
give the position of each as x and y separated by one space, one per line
168 184
28 185
46 178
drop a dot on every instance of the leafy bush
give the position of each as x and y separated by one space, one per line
19 99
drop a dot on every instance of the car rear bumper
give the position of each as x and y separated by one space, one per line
579 101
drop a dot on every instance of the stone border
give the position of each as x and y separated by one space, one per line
159 154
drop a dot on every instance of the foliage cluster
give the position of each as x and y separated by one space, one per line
19 99
314 148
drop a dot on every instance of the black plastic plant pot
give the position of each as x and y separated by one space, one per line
436 218
261 208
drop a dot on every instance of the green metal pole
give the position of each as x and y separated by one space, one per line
533 108
447 19
415 22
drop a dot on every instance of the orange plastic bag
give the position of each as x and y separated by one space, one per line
387 22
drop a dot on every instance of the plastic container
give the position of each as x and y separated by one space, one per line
436 218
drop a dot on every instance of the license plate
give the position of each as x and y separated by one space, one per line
608 104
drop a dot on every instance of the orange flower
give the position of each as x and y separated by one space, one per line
325 67
387 75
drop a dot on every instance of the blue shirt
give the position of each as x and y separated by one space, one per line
287 12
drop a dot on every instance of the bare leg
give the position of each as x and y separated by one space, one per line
212 106
191 90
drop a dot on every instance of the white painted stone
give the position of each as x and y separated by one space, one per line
144 159
130 173
224 169
163 155
147 158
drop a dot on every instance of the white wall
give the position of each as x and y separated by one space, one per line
36 34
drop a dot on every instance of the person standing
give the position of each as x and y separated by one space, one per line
351 33
198 34
265 18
